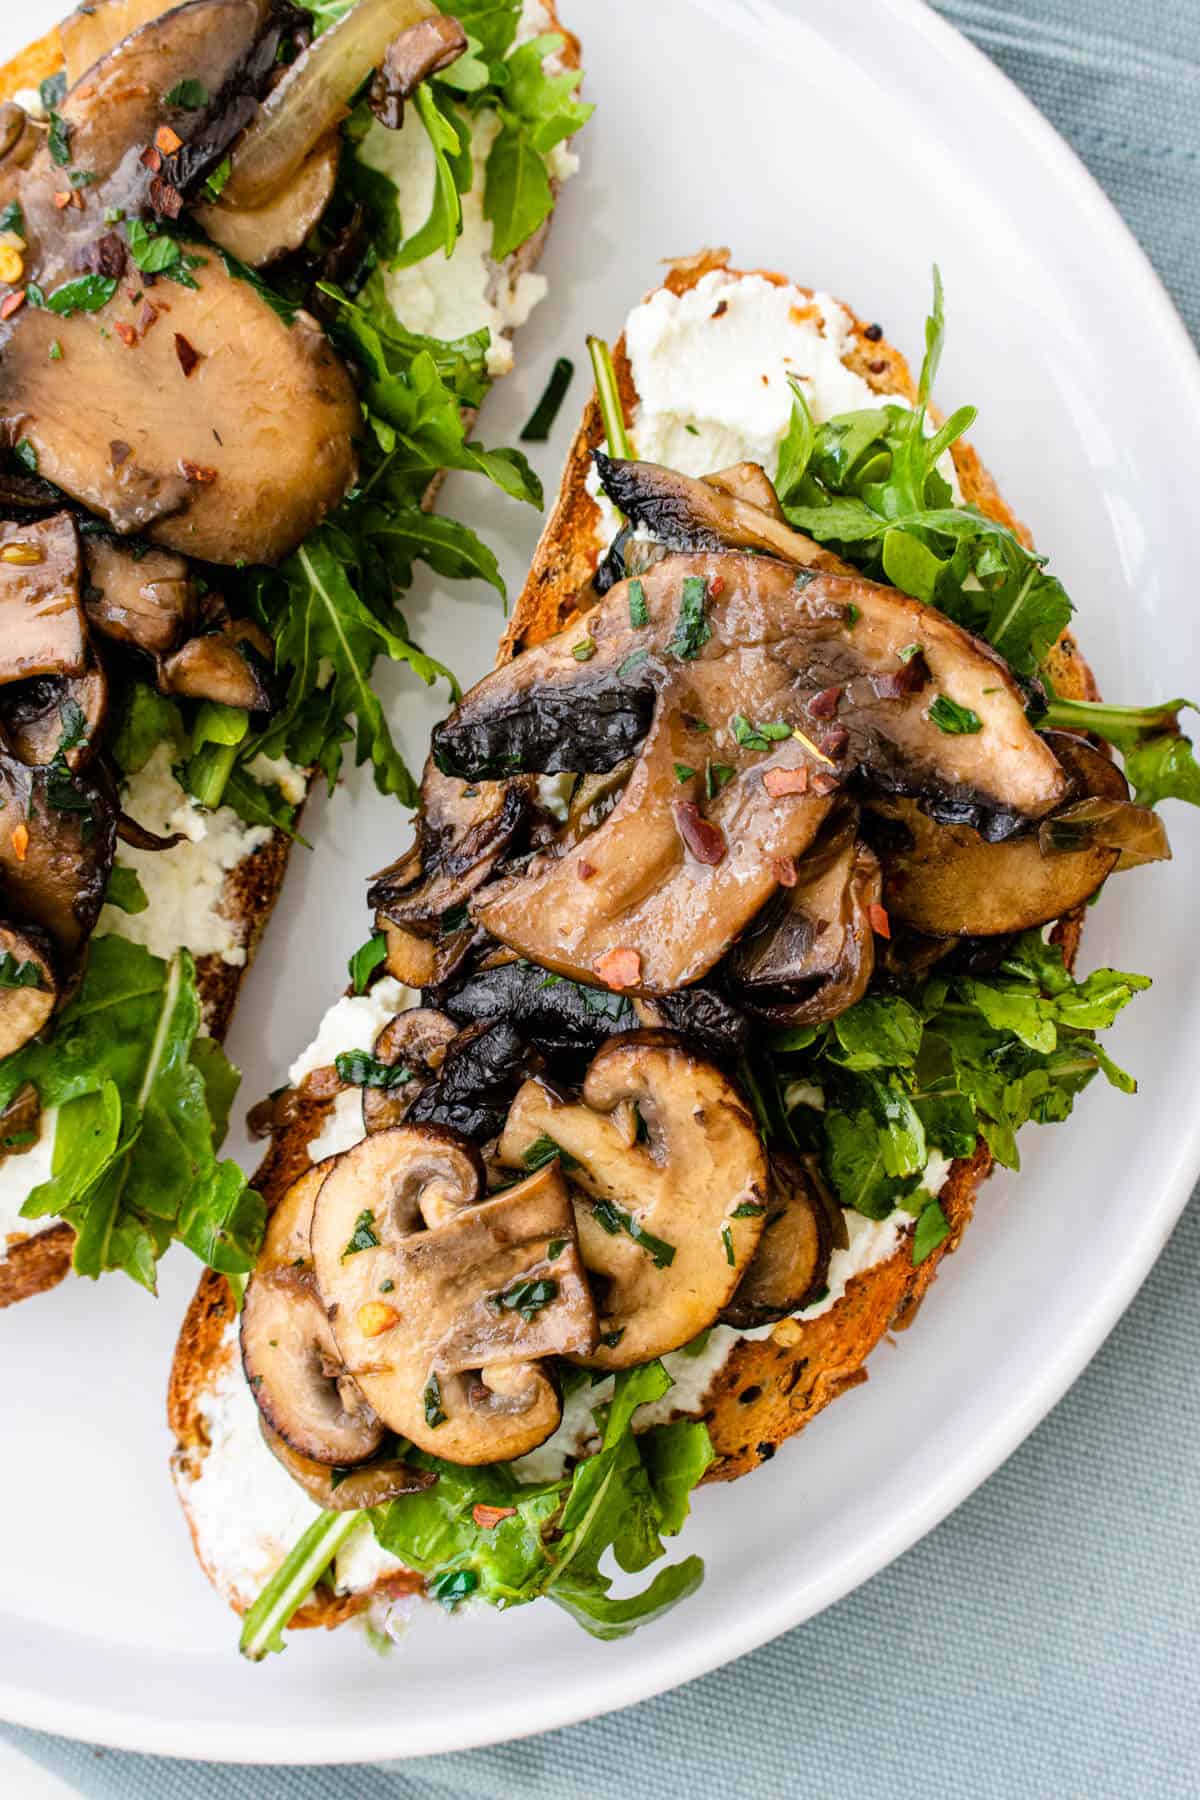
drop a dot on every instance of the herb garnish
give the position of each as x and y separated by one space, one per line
954 719
638 614
366 959
14 974
544 1150
527 1297
189 94
613 1218
363 1236
432 1402
541 421
727 1240
692 630
363 1070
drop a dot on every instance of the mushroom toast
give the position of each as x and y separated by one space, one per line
735 944
259 264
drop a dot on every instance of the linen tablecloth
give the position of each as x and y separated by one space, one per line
1043 1640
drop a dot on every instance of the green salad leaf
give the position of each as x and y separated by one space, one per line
142 1103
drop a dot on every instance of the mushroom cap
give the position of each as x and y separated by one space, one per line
148 601
289 1351
682 863
792 1260
57 837
259 234
668 1226
373 1484
475 1296
415 1040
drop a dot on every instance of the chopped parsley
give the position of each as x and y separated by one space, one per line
59 140
191 95
683 772
748 1209
953 719
584 650
527 1297
27 456
555 1248
432 1402
758 737
638 615
14 974
361 1069
613 1218
907 653
715 777
692 630
544 1150
727 1240
363 1236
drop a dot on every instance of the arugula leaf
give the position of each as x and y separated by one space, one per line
451 147
1159 760
125 891
88 293
134 1153
363 1070
366 960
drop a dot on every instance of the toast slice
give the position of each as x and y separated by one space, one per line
35 1262
769 1387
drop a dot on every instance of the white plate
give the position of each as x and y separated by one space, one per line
849 146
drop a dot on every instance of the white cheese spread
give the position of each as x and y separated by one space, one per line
19 1175
278 771
185 886
353 1023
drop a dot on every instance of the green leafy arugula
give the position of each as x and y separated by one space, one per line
142 1104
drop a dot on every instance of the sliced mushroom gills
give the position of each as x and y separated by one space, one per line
667 1226
412 1046
791 1264
445 1304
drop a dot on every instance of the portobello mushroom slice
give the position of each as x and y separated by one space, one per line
289 1353
353 1490
260 234
811 952
217 667
791 1264
803 681
559 1017
42 627
445 1304
412 1046
947 881
28 989
147 600
57 836
668 1226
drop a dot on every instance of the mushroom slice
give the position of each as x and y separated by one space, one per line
56 716
479 1074
217 667
372 1484
414 1045
444 1327
42 627
560 1017
427 47
811 952
57 836
147 600
713 514
28 989
946 881
669 1226
258 235
289 1351
98 26
802 680
791 1263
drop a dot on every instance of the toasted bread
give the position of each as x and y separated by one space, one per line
36 1263
770 1387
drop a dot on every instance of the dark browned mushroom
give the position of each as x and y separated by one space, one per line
791 1264
425 48
56 716
412 1046
57 835
148 600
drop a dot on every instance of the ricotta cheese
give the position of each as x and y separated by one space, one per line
19 1175
185 885
278 771
353 1023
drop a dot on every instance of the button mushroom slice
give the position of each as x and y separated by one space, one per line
679 868
57 836
56 716
811 952
670 1225
289 1351
147 600
219 666
715 513
444 1327
947 881
414 1045
258 235
28 989
42 627
341 1490
791 1264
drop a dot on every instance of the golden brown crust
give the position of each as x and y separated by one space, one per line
31 65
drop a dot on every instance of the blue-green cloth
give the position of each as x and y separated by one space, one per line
1043 1641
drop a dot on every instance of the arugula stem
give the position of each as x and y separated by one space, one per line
609 397
1099 717
293 1582
208 773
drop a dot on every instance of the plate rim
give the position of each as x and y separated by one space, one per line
643 1678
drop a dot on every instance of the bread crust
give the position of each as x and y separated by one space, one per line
770 1388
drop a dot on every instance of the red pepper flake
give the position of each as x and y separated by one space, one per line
716 586
188 356
786 781
834 740
783 868
619 968
898 684
12 303
488 1517
150 159
825 704
167 141
149 317
705 840
585 870
127 333
166 200
720 309
119 452
198 472
880 923
86 92
823 783
62 198
20 841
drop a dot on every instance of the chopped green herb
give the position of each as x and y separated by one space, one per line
683 772
362 1070
27 456
12 218
909 651
80 178
215 183
125 891
53 88
366 960
14 974
715 777
454 1585
541 422
608 395
555 1248
388 1286
613 1218
432 1400
86 294
544 1150
455 918
55 350
154 252
632 662
638 614
363 1236
189 94
692 629
690 429
746 735
59 140
527 1297
584 650
853 615
748 1209
727 1240
955 720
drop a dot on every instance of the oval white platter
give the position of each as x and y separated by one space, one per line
850 147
